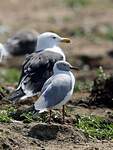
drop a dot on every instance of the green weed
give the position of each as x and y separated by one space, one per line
85 86
10 75
82 32
94 34
101 74
76 3
5 114
95 127
107 33
28 117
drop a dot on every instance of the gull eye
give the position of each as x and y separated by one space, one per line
54 37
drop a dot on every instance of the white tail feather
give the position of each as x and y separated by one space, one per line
43 110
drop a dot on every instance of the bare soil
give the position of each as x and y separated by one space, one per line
84 51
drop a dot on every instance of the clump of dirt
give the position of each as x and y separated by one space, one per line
102 92
56 131
12 137
36 136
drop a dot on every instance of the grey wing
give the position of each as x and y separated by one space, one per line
56 91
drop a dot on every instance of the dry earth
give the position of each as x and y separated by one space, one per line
88 51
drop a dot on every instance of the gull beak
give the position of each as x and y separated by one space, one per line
65 40
75 68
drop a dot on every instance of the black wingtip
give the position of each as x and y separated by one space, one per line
16 95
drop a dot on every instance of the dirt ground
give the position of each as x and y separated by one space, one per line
87 26
17 136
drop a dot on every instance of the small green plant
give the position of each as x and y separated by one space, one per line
84 86
67 18
76 3
4 116
1 90
10 110
101 74
10 75
28 117
79 31
93 34
95 127
42 117
107 33
82 32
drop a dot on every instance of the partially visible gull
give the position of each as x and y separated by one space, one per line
38 66
22 43
58 89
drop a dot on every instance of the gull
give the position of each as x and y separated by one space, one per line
38 66
58 89
20 44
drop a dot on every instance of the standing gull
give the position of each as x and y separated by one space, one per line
38 67
58 89
21 43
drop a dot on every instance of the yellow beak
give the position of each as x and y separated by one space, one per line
65 40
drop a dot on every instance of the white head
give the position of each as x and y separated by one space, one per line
63 66
49 40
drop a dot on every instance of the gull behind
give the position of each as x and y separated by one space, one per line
38 67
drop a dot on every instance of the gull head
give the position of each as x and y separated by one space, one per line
63 66
50 40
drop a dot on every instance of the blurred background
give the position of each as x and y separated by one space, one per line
88 23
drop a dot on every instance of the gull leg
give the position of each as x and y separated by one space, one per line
63 113
50 116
